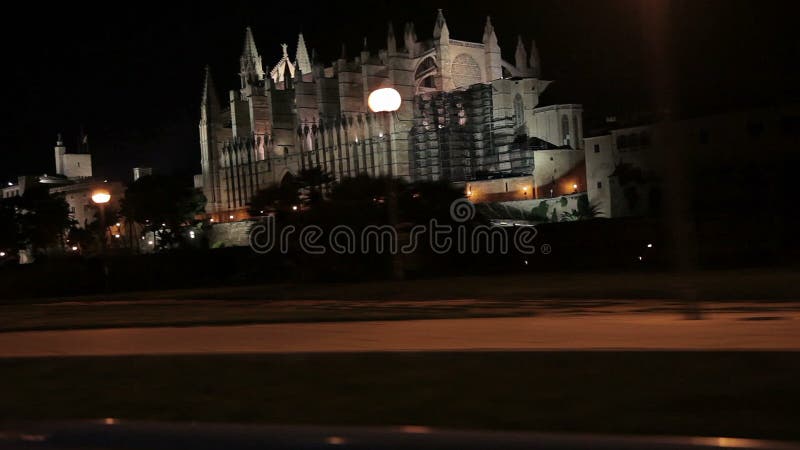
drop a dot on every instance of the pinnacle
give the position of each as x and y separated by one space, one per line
250 49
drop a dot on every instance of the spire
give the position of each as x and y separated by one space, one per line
210 102
301 55
489 37
440 28
249 49
520 56
391 40
410 38
59 141
250 68
534 61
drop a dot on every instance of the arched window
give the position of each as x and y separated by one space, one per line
565 130
425 73
519 112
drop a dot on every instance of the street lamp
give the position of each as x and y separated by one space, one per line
383 102
385 99
100 197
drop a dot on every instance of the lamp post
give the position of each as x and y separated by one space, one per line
384 102
101 198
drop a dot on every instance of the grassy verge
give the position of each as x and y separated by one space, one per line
693 393
744 284
22 317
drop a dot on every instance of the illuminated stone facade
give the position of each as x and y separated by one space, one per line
465 113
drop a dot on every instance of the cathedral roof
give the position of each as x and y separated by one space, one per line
279 70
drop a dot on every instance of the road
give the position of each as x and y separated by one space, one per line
773 329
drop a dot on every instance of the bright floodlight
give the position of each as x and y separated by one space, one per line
101 197
386 99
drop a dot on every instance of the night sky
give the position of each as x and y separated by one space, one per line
130 73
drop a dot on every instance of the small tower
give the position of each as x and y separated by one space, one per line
521 56
209 153
60 150
441 40
365 52
391 40
250 69
410 39
301 59
440 28
535 62
492 50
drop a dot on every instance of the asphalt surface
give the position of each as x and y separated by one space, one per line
113 433
746 327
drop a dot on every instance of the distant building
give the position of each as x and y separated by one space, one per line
78 196
630 169
72 165
466 115
139 172
73 181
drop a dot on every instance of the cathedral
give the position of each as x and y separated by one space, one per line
466 114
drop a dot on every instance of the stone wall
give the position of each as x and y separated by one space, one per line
230 234
536 210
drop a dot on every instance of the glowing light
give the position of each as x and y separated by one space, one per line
386 99
74 248
469 193
574 186
649 245
149 242
117 224
416 429
191 235
101 197
10 183
116 236
640 258
2 254
212 219
335 440
294 208
230 217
